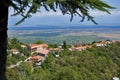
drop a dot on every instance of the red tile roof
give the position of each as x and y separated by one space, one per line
36 58
43 51
43 45
37 45
33 45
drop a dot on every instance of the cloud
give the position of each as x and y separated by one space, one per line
94 13
115 12
45 13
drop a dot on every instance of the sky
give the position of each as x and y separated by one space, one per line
57 19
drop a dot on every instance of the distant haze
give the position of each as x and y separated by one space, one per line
57 34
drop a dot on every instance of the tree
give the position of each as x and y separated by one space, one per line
26 8
14 43
53 45
64 46
39 42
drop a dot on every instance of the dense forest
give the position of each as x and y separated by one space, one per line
96 63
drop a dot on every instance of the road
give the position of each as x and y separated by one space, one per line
15 65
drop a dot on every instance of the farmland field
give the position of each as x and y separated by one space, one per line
69 34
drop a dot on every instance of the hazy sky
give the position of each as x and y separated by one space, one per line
52 18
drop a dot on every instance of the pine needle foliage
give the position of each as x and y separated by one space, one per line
80 8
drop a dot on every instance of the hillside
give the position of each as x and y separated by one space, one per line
96 63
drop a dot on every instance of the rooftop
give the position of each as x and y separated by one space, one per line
43 51
37 45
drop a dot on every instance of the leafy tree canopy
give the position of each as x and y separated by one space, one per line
80 8
39 42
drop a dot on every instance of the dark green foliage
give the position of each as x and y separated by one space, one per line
13 43
11 60
39 42
16 44
64 46
96 63
21 56
53 45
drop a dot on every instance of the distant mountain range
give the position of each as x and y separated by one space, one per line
44 27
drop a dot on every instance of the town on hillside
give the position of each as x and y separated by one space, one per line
39 52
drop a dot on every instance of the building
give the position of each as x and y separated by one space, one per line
37 47
37 60
102 43
78 45
14 51
23 46
82 48
43 53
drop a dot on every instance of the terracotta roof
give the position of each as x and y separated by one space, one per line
14 50
33 45
43 51
37 45
36 58
44 45
83 47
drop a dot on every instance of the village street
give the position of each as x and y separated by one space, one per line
15 65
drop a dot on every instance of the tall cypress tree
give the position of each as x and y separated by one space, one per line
64 45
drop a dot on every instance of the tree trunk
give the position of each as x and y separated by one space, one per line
3 40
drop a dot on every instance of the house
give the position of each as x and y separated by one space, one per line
102 43
37 60
23 46
44 46
14 51
43 53
80 48
36 47
32 47
78 45
114 41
